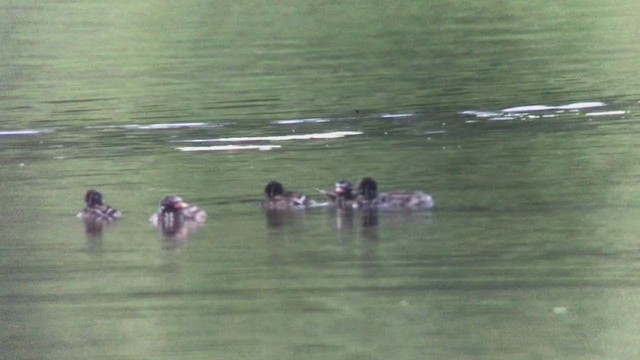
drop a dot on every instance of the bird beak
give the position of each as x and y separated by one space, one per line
182 205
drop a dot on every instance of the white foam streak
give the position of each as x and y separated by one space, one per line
527 109
24 132
606 113
331 135
395 116
582 105
301 121
480 114
168 126
573 106
229 148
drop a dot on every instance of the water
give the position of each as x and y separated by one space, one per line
520 120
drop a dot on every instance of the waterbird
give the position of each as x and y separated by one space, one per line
96 210
342 196
279 199
368 196
175 212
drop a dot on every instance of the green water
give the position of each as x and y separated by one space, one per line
532 251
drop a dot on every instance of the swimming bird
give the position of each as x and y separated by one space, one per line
96 211
279 199
174 213
368 191
343 196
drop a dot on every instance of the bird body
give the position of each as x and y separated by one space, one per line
174 212
96 210
279 199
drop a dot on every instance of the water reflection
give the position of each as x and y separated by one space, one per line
345 219
371 239
94 230
358 233
369 220
349 219
279 218
176 233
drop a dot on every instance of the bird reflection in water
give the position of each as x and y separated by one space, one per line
94 230
284 224
357 231
277 218
175 234
369 221
348 218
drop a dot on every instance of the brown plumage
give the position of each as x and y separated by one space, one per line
368 190
279 199
96 210
173 212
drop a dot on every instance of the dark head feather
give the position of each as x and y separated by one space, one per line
273 189
368 188
93 198
171 203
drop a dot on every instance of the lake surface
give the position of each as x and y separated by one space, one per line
520 118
